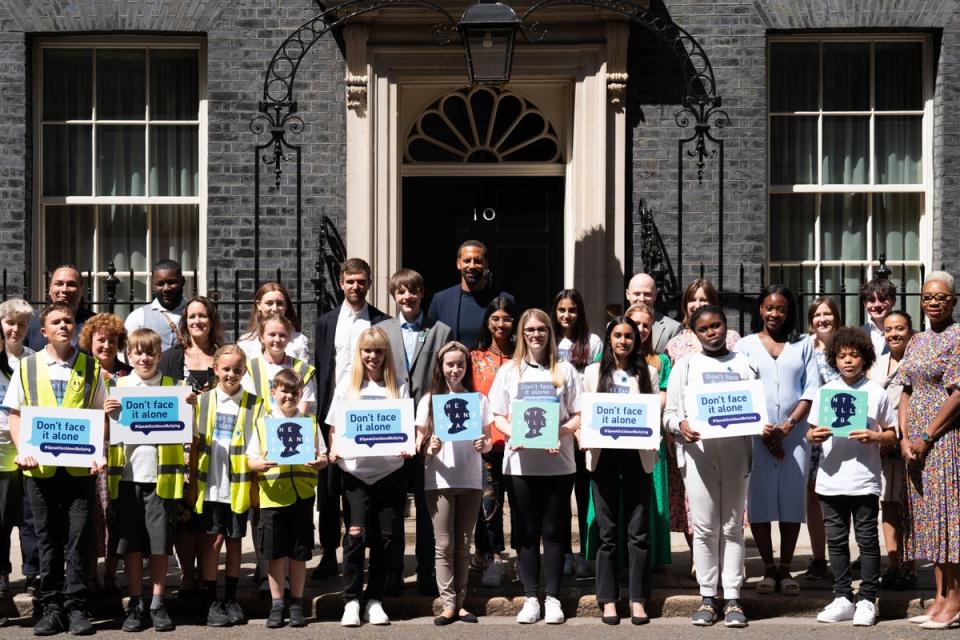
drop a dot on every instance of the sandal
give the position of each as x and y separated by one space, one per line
767 584
788 586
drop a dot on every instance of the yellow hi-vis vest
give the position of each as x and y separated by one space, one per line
170 465
238 472
38 391
257 368
284 484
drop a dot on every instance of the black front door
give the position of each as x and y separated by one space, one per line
519 219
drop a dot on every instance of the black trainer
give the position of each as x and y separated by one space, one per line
733 614
706 613
234 612
217 615
51 622
275 619
161 619
79 621
297 619
136 618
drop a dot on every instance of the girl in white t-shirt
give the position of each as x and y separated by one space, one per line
272 298
848 480
715 471
374 487
275 333
541 480
453 481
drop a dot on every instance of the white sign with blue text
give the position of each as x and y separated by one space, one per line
371 428
620 421
152 415
726 409
59 437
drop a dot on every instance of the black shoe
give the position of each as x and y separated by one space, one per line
234 612
327 567
442 621
427 585
136 618
30 584
611 620
161 619
639 620
297 619
469 618
733 615
5 586
217 615
706 614
275 619
79 621
51 622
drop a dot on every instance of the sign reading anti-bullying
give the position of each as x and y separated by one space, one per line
369 428
842 410
535 424
152 415
291 440
457 417
59 437
726 409
620 421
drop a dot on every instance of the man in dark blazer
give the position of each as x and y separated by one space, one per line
643 288
336 334
415 341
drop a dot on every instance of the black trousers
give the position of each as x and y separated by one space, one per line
425 545
62 511
542 505
581 493
29 554
489 532
378 508
620 483
837 513
11 514
329 490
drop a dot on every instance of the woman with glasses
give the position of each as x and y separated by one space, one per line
540 479
929 417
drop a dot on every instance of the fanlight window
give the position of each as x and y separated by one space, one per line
482 125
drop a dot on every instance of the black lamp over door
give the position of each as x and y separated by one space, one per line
488 30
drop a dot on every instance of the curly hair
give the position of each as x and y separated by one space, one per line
107 324
851 338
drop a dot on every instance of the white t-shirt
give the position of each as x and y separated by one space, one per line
141 459
256 450
457 465
59 376
309 389
297 347
513 384
565 347
849 467
375 467
224 422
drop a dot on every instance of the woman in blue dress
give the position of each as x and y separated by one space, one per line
777 490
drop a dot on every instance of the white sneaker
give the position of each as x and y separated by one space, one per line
866 614
374 613
568 564
493 574
530 612
351 614
553 612
840 610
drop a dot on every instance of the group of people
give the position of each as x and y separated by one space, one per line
153 500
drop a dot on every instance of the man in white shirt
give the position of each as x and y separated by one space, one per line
642 288
163 314
878 296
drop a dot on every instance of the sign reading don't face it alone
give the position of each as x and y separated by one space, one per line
59 437
367 428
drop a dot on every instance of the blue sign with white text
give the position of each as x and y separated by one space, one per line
290 440
457 417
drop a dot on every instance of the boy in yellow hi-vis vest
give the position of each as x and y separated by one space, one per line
285 533
221 484
61 497
145 481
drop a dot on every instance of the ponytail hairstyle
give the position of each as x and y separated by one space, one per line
636 361
373 338
580 353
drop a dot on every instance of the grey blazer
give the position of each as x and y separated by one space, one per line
419 377
664 328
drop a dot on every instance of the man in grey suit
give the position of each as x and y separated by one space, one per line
414 341
642 288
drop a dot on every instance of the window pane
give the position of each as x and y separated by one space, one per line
845 148
123 237
898 147
846 76
843 226
800 280
899 73
793 150
792 227
69 236
66 160
120 160
123 293
843 285
896 226
174 164
67 84
121 76
174 85
175 234
907 280
793 77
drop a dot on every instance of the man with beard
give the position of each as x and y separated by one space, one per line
461 307
162 315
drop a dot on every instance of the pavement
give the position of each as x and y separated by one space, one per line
675 593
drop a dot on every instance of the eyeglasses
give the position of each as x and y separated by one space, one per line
532 331
501 320
940 297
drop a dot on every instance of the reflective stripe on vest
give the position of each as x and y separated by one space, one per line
284 484
257 368
238 473
80 392
170 464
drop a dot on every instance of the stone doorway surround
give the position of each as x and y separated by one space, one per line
577 76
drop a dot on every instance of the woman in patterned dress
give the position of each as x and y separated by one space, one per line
930 373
